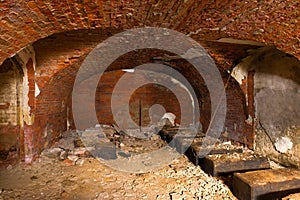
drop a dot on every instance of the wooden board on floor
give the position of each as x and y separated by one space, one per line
266 184
193 152
218 164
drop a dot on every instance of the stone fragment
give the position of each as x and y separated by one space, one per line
82 152
105 151
79 162
9 167
73 158
52 153
155 137
63 155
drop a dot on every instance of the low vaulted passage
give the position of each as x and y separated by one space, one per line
254 46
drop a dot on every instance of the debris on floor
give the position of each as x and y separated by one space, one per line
103 141
49 178
73 168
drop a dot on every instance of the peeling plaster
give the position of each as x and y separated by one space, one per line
23 57
276 101
26 107
37 90
170 116
128 70
283 144
239 73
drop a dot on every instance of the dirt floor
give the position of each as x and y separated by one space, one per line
68 171
52 179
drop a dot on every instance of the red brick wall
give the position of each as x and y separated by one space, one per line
237 113
146 96
274 23
149 95
59 57
51 112
9 144
31 85
24 22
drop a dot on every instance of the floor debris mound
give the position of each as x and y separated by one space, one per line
69 171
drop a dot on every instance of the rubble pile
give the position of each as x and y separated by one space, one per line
50 179
102 141
69 170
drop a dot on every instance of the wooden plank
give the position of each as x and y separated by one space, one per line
266 184
182 143
169 134
218 164
193 151
292 196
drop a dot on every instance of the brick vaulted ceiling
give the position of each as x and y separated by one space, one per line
272 22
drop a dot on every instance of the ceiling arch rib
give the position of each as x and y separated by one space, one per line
24 22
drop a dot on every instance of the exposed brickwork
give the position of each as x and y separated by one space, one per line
250 97
29 140
226 55
272 22
9 124
8 94
59 57
31 85
237 113
51 111
139 102
8 137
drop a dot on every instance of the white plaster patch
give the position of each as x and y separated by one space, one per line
170 116
249 120
283 144
23 56
46 131
37 90
128 70
239 73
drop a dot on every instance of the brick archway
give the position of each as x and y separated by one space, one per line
24 22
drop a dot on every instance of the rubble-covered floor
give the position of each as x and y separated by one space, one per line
68 171
52 179
71 169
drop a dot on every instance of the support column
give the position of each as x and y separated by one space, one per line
27 144
250 95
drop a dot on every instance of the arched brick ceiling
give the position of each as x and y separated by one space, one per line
273 22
